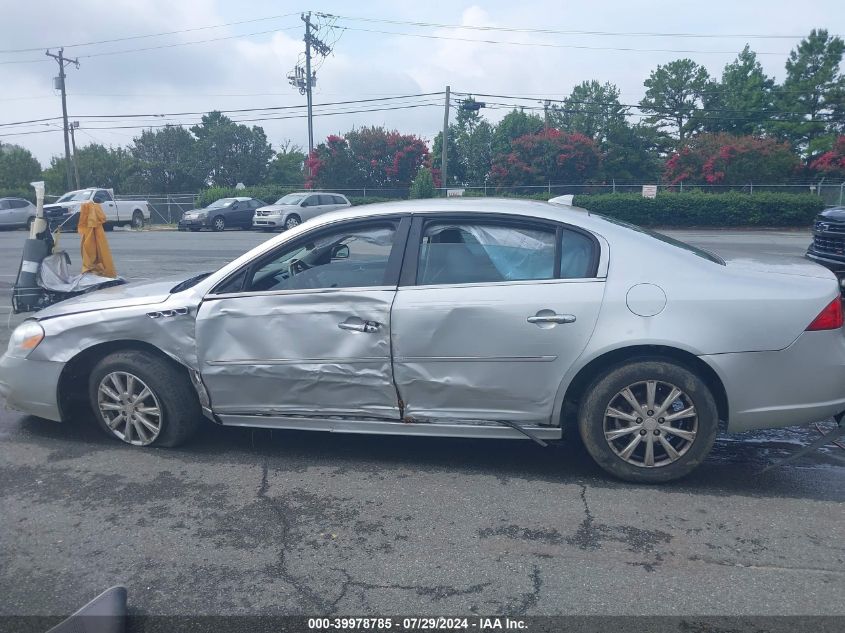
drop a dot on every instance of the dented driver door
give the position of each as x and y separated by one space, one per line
304 332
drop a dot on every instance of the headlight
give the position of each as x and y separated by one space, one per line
25 338
200 215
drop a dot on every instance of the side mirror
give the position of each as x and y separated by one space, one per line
99 199
234 205
340 252
304 204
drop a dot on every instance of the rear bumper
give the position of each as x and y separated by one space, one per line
31 386
775 389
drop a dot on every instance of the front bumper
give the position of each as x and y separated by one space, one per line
836 263
192 223
268 221
31 386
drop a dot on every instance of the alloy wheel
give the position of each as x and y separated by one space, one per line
219 224
291 222
129 408
650 423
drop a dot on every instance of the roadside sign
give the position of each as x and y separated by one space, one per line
454 193
649 191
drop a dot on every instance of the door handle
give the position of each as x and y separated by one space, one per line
368 327
552 318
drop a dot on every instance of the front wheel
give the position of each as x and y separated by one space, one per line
292 221
143 400
219 223
648 421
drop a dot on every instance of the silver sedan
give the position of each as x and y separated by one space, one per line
462 318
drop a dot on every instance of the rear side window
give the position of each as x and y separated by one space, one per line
458 253
455 253
339 199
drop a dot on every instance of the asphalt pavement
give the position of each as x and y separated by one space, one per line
251 521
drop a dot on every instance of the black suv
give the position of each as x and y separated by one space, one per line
828 247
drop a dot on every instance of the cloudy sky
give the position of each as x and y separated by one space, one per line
256 43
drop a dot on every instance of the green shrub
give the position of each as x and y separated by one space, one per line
423 185
698 209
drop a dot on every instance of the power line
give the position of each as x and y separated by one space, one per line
549 45
268 118
564 32
161 46
228 111
148 35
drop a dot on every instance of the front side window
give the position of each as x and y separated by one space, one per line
344 258
455 253
291 198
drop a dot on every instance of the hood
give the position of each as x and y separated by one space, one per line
836 214
781 266
127 295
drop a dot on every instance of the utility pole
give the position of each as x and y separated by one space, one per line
72 127
63 61
444 155
308 83
546 105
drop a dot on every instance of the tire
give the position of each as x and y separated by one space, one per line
137 220
29 222
171 394
691 437
108 226
218 224
292 221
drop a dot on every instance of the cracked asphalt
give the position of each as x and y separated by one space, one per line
257 522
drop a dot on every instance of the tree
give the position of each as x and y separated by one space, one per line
228 153
455 173
286 166
631 154
832 163
166 161
674 96
515 124
811 101
18 167
741 102
369 157
592 109
473 140
98 165
723 159
423 185
547 156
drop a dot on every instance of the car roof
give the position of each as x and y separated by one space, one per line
13 198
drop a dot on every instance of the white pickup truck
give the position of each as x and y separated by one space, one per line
65 211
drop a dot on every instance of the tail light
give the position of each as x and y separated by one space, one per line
828 319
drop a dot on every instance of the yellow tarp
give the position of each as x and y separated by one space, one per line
96 255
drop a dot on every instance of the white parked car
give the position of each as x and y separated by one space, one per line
295 208
65 211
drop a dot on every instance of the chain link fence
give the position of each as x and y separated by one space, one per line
165 208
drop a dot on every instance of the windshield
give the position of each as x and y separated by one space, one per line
665 239
223 202
291 198
76 196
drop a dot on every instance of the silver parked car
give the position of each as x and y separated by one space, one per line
295 208
463 318
16 213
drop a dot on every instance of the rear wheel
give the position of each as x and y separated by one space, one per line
143 400
29 222
648 421
137 220
219 223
